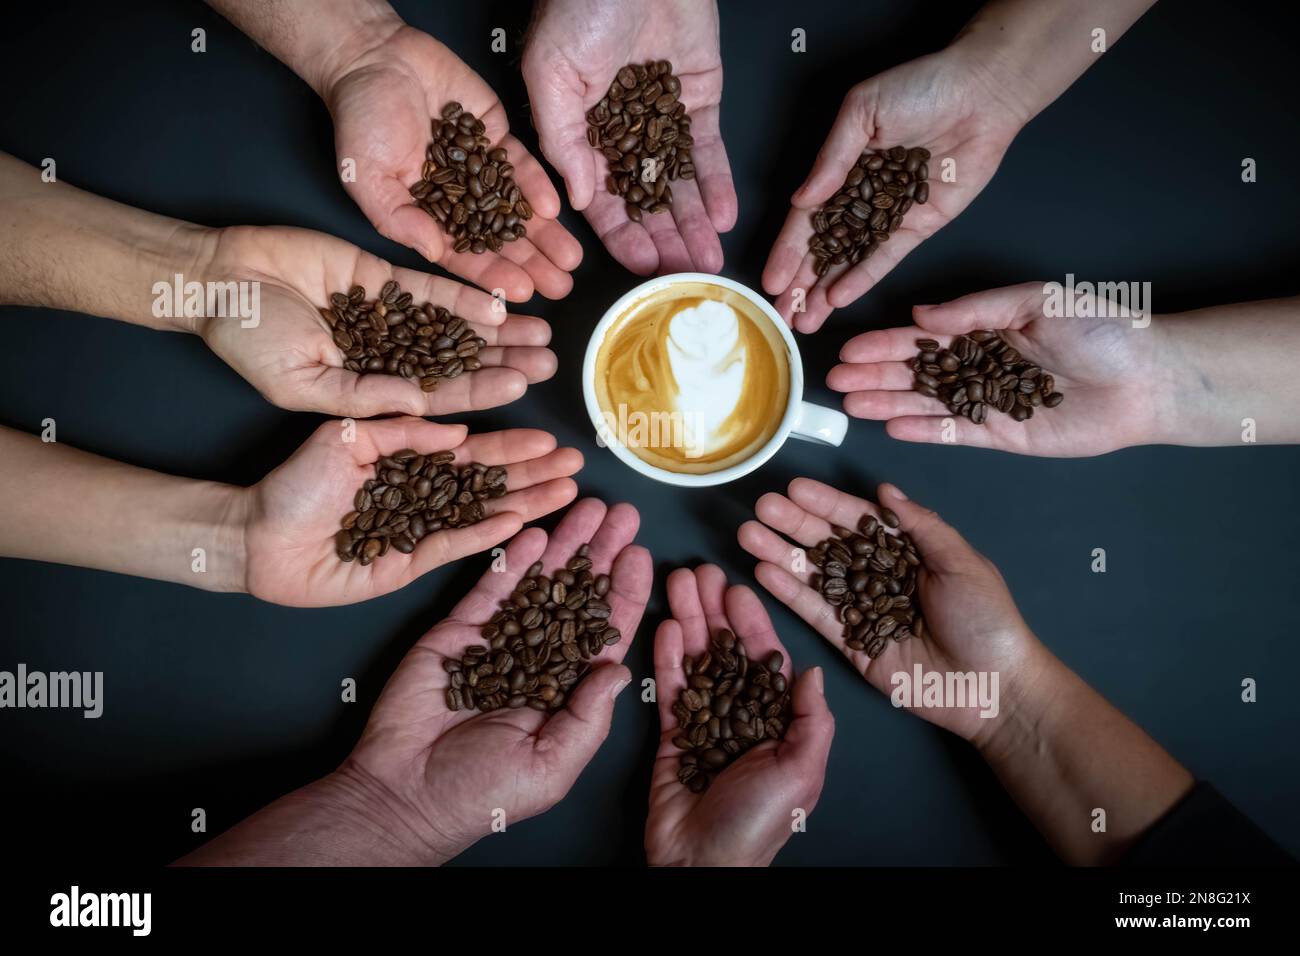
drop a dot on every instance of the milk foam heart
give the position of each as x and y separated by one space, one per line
708 366
692 378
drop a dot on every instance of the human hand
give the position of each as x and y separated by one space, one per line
1105 368
945 102
383 100
971 620
745 815
574 51
290 356
291 516
450 770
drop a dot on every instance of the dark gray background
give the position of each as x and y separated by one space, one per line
224 702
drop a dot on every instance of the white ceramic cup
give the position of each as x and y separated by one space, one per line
814 423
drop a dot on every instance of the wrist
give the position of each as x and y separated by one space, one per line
209 527
352 42
384 829
1025 693
990 57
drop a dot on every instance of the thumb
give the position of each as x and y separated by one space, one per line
561 124
808 739
847 139
1011 307
940 546
571 737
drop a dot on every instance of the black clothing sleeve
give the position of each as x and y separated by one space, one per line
1204 829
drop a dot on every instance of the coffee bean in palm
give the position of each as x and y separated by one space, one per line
641 128
727 706
869 577
413 496
539 643
980 371
468 185
878 192
393 335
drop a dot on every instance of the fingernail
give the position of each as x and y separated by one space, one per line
819 680
618 689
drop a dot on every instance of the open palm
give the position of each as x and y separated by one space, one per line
1102 367
461 769
575 49
289 354
971 621
746 814
941 102
295 511
383 103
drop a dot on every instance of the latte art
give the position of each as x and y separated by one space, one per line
693 378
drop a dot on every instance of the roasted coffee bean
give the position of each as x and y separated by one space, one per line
641 128
979 371
875 599
720 728
538 648
391 334
468 186
390 510
876 195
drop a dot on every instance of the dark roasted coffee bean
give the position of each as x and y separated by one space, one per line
980 371
642 130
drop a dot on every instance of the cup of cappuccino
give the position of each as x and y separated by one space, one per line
694 380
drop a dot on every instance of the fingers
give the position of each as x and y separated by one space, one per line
788 252
766 545
517 331
749 620
375 439
695 226
387 204
713 170
890 376
779 512
547 278
560 118
855 282
669 677
711 583
885 406
829 503
933 429
848 138
505 447
443 547
533 181
486 388
537 501
805 602
807 741
498 582
673 254
627 241
572 735
560 463
630 569
887 345
1008 307
475 306
940 546
687 610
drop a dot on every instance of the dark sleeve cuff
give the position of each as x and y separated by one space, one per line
1204 829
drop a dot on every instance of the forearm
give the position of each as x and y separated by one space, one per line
69 507
345 819
1034 49
1064 753
1225 375
316 40
64 248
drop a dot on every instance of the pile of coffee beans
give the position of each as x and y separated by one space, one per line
469 187
870 206
642 129
539 644
870 576
411 496
979 371
395 336
727 706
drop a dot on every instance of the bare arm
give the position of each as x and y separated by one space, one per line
67 506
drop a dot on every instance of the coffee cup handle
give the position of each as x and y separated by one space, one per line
824 426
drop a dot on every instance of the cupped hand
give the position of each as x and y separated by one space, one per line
971 621
383 102
1105 368
456 772
746 814
574 51
288 353
944 102
294 512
